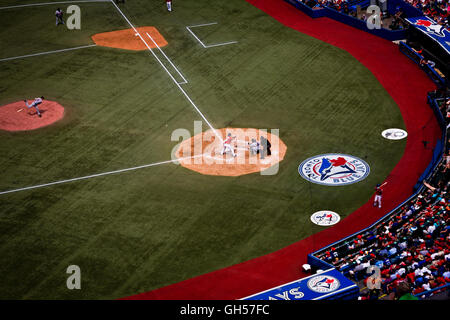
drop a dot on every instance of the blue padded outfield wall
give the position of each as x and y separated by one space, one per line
328 285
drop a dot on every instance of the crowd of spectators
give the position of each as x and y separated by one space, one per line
339 5
349 7
410 249
438 10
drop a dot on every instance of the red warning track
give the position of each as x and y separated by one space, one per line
407 85
17 117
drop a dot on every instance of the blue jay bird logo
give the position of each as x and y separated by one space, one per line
323 284
334 167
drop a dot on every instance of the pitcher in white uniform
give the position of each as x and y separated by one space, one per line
35 104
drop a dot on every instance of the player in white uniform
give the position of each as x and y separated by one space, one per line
169 5
378 195
35 104
227 145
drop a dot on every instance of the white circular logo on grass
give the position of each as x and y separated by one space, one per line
323 284
325 218
394 134
334 169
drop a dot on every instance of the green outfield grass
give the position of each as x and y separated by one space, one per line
141 230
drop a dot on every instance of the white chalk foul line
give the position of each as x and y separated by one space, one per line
167 71
203 25
201 42
167 58
50 3
220 44
97 175
47 52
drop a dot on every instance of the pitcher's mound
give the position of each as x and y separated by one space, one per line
203 153
17 117
128 40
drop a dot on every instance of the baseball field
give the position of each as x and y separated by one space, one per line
98 189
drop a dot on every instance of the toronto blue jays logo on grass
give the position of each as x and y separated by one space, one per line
323 284
334 169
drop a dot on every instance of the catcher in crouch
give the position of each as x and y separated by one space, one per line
254 147
227 145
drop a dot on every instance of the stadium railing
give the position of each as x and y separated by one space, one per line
416 57
429 292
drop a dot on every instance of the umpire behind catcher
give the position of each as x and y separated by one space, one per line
265 147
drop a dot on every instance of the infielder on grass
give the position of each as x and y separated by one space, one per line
35 104
227 145
169 5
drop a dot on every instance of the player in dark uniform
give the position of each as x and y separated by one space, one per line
59 16
265 147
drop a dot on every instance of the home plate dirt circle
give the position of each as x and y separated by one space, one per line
17 117
203 152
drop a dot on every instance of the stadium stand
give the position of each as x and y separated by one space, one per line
357 9
353 13
406 255
438 10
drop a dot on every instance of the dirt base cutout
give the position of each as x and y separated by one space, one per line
128 40
17 117
203 153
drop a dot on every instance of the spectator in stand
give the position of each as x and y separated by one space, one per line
404 292
427 62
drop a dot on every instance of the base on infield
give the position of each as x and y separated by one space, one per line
205 150
17 117
127 39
